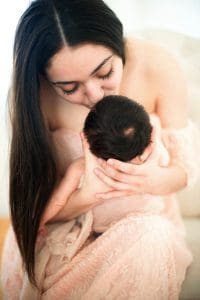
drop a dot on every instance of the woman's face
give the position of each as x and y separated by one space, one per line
85 73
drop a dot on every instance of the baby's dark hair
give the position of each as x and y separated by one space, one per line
117 127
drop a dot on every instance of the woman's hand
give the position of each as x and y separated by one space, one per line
128 179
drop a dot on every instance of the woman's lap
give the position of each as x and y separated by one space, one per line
140 257
138 251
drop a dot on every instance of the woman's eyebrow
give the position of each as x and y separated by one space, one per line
94 71
101 64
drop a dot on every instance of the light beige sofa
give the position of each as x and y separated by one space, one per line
187 51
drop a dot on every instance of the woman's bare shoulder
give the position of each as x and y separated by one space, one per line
153 55
157 65
162 71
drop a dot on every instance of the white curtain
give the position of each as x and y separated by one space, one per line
178 15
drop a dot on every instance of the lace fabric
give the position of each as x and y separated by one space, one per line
70 265
183 146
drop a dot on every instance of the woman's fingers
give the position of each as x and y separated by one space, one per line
114 194
115 174
125 167
121 171
112 165
110 181
130 183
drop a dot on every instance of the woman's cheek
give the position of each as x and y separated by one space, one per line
115 81
113 85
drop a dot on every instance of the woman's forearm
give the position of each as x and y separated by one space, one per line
78 203
172 179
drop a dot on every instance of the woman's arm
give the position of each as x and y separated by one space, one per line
72 197
84 197
78 203
68 184
172 94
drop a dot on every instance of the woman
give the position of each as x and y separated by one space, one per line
67 56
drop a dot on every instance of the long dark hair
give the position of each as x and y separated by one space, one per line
44 28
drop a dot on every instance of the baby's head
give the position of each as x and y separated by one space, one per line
117 127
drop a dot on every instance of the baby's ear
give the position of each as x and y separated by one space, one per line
148 150
138 160
84 141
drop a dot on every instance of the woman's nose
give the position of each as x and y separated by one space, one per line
94 91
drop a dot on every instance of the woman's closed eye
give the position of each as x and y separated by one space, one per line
106 75
69 92
102 75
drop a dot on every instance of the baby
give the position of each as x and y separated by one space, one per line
118 127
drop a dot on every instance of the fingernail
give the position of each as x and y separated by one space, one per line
98 196
110 162
100 160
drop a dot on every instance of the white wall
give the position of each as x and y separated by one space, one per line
178 15
9 14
